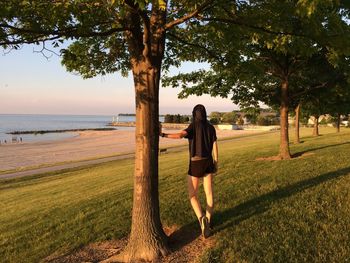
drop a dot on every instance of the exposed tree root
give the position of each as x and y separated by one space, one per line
131 255
185 242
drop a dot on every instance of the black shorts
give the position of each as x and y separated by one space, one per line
200 168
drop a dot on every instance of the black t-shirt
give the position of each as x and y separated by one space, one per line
206 140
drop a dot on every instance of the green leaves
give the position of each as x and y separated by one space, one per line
306 7
80 21
261 43
96 56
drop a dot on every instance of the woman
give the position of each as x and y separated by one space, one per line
202 143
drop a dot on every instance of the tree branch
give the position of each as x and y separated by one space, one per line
146 36
320 86
43 49
23 41
44 35
282 68
210 53
188 16
263 29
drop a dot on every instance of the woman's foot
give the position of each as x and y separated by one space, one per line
205 226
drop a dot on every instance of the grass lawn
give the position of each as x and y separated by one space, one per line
267 211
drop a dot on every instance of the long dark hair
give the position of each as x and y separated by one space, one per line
199 114
200 142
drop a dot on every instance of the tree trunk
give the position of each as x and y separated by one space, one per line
147 240
338 122
284 152
315 131
297 122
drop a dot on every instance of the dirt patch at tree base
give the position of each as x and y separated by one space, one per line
278 158
186 244
94 252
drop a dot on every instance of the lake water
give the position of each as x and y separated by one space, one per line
31 122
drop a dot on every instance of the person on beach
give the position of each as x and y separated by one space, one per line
203 163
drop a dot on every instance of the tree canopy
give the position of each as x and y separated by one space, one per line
250 45
263 60
109 36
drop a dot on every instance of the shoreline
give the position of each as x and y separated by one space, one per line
59 131
87 145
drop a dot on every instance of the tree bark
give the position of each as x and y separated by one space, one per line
315 131
284 152
338 122
297 124
147 241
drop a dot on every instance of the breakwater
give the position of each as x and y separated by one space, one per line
58 131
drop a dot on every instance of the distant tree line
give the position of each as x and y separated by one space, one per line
126 114
251 115
133 114
176 118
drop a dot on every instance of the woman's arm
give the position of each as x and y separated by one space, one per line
174 135
171 135
215 155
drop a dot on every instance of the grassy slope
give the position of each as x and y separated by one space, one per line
295 210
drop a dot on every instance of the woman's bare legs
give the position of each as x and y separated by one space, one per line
208 189
193 185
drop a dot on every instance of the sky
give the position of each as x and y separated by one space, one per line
33 84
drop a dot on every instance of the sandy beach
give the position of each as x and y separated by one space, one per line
86 145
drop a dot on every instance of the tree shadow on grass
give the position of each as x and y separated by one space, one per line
297 143
184 236
260 204
298 154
